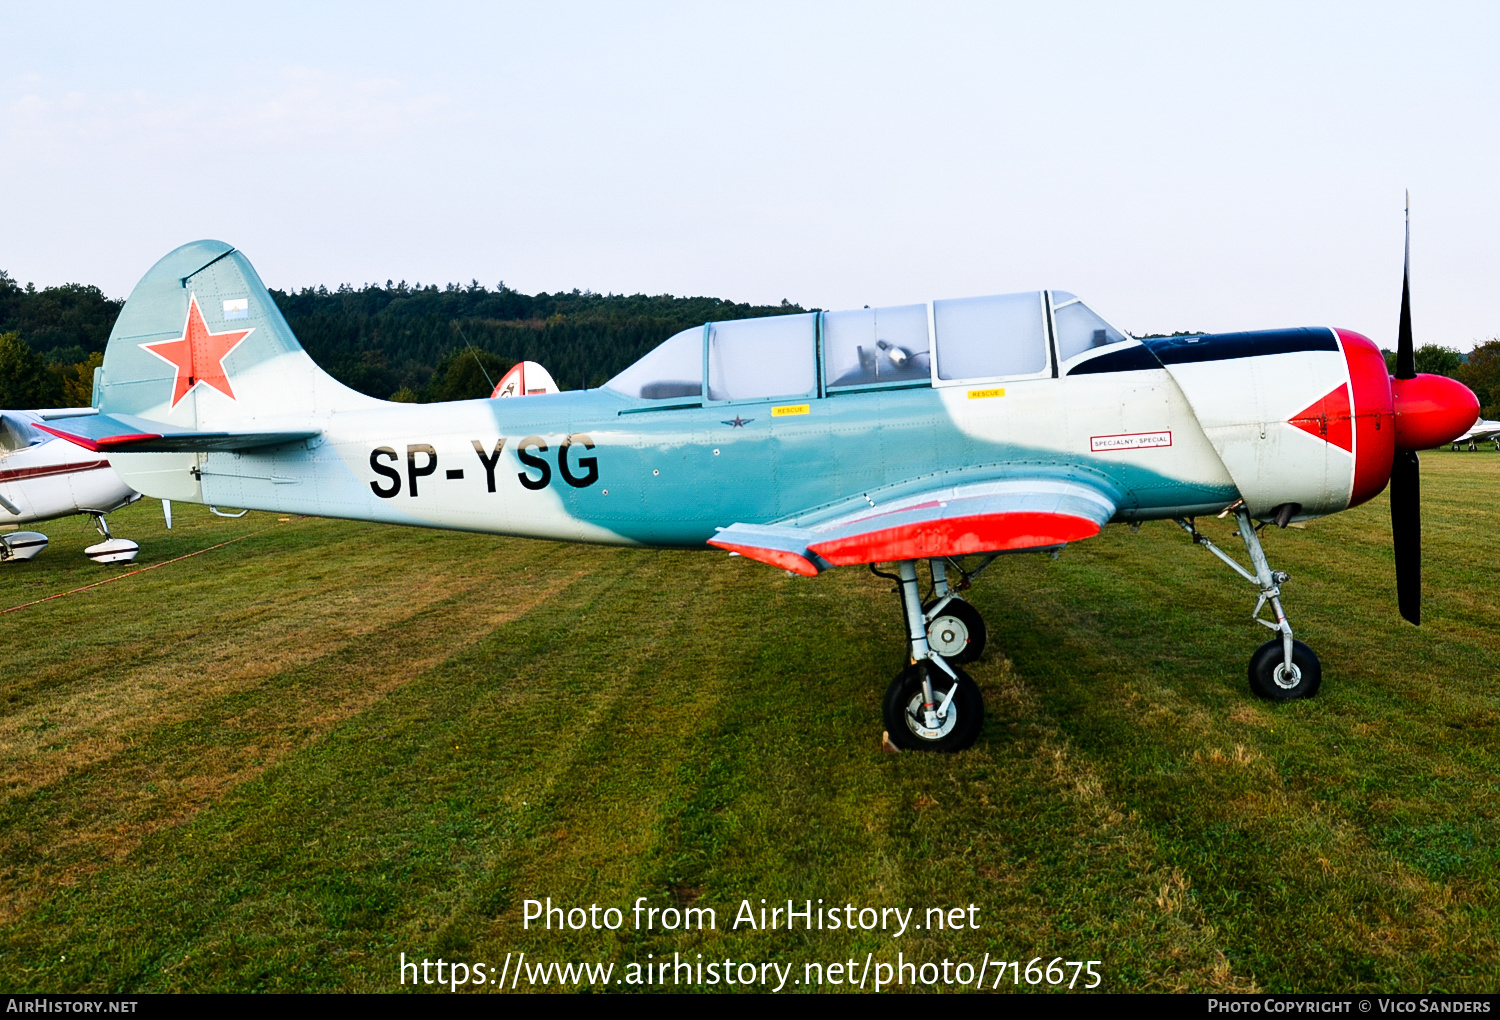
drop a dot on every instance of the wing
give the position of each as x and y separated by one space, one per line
103 433
1005 516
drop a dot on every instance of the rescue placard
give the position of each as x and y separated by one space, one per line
981 394
786 409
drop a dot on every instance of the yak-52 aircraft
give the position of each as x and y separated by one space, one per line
968 427
42 478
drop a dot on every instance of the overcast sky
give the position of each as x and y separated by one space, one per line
1204 166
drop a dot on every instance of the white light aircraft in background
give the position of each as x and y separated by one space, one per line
1482 432
42 477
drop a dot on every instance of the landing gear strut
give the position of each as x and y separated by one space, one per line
1283 668
101 525
932 705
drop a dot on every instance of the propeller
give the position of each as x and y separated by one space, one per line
1406 480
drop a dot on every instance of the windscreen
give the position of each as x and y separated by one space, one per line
1079 327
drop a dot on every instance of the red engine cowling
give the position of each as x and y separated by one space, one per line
1374 415
1392 414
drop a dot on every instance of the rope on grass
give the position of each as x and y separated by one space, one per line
138 570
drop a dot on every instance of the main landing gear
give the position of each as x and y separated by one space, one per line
1283 668
932 704
111 550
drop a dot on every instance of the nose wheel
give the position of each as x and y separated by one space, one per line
1282 669
1272 678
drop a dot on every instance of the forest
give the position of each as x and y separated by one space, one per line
415 343
396 342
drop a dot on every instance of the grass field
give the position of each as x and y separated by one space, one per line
282 763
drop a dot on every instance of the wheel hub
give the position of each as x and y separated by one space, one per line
917 718
948 636
1285 679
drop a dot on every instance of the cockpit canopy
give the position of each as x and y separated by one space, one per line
1004 336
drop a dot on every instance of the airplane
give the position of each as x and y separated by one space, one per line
1481 431
952 432
42 477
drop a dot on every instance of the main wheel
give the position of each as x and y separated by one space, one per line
905 715
1269 677
957 633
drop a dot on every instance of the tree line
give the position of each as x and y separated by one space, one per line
395 342
430 343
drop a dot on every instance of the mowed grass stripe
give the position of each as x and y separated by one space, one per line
175 644
698 729
227 722
387 782
766 800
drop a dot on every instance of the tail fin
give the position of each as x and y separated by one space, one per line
201 345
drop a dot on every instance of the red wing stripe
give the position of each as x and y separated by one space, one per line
134 437
957 536
95 444
16 474
776 557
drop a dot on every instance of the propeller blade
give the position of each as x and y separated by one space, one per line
1406 533
1406 358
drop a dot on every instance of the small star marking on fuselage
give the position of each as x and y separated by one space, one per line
739 422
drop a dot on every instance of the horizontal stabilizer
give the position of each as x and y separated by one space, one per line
1009 516
123 433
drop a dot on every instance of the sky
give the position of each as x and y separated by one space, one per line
1203 166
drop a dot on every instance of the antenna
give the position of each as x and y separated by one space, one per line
475 351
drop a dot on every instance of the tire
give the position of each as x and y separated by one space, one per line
965 712
958 633
1269 661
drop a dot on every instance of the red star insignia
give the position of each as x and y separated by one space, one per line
198 354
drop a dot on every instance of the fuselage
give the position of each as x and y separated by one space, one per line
798 419
605 467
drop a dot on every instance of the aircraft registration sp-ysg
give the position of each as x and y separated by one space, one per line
961 428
